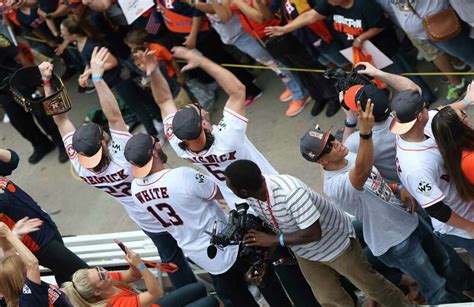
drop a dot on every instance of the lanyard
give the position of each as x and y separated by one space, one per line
275 224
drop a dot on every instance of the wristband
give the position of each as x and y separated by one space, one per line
141 267
45 82
467 102
97 78
365 136
282 240
350 123
399 187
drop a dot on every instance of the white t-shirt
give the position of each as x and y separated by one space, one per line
181 200
116 179
230 144
421 170
229 31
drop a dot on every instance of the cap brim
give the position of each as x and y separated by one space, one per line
350 97
92 161
143 171
397 127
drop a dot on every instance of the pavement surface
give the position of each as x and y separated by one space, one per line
80 209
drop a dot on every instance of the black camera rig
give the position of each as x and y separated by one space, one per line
346 80
255 259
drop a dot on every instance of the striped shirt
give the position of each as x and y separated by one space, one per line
296 206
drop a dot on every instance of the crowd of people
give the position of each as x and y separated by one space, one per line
398 180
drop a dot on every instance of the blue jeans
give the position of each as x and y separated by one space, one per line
192 295
461 46
456 241
247 44
169 251
423 257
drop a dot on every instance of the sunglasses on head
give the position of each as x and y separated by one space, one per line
327 148
102 272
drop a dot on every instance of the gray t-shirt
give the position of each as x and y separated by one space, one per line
385 150
411 23
385 222
229 31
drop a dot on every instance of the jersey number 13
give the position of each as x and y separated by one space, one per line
173 217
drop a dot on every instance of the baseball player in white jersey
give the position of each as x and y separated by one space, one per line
421 166
182 201
190 133
213 148
98 159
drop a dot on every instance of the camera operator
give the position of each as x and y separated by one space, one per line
187 209
320 234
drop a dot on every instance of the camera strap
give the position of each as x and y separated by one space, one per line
275 223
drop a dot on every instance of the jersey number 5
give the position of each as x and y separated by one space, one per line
174 218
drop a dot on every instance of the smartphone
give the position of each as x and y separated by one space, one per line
121 245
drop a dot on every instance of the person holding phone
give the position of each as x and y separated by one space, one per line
99 287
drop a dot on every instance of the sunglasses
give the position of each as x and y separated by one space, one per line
102 273
327 148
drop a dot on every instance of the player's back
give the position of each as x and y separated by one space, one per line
181 200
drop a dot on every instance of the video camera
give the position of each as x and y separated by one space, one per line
255 259
346 80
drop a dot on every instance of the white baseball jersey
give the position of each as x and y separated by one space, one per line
116 179
421 170
181 200
230 144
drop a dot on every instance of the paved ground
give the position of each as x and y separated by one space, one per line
80 209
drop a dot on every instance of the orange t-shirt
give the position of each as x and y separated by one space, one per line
255 29
163 54
467 165
127 298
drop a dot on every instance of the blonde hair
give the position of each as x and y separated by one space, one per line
80 290
12 279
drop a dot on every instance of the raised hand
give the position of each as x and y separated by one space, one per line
366 117
146 61
27 225
98 60
193 57
274 31
369 70
46 70
133 258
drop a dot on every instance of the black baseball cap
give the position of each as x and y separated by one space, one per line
187 123
406 105
86 141
363 93
139 152
313 142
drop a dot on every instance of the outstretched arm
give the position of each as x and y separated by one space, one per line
108 102
399 83
302 20
365 157
229 83
159 87
63 122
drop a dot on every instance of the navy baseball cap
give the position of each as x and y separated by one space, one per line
363 93
406 105
86 141
139 152
313 142
187 124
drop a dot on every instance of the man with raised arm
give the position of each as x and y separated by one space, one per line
97 157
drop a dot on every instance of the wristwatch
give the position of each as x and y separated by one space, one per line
350 124
365 136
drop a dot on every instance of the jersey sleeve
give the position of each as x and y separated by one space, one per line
322 7
198 184
231 129
352 142
173 139
71 152
301 208
423 188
